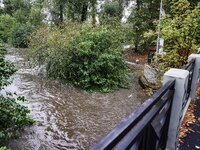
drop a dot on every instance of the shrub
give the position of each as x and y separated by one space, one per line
96 61
90 58
20 34
13 115
170 60
2 49
181 29
6 70
6 23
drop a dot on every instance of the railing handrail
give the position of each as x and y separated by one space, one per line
126 125
190 65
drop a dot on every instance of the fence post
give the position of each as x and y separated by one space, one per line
196 74
181 81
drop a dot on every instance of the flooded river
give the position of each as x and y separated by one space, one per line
66 117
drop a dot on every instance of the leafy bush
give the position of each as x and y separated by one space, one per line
6 23
6 70
90 58
96 61
21 15
170 60
181 29
13 115
2 49
4 148
20 34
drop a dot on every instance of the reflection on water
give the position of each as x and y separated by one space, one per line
67 117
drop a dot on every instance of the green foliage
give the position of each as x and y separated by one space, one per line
12 114
181 29
35 16
111 8
96 62
4 148
21 15
2 49
20 34
141 20
11 6
110 12
170 60
6 23
6 69
24 11
90 58
75 10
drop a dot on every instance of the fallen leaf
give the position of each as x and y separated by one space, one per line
188 120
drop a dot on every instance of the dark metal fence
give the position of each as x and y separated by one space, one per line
190 68
146 128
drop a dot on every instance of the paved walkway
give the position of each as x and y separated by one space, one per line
192 140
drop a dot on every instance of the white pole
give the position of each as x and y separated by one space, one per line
158 38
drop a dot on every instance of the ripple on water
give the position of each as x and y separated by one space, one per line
66 117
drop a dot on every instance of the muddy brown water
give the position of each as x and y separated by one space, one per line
66 117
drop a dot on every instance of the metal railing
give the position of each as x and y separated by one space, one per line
190 68
147 127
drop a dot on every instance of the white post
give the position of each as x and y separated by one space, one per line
196 74
181 80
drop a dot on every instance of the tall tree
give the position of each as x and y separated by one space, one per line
75 10
141 19
20 9
181 28
57 11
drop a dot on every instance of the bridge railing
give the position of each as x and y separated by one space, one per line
138 130
155 125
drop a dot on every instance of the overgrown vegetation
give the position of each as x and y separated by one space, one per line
141 20
13 115
180 29
67 49
6 24
89 57
20 35
73 47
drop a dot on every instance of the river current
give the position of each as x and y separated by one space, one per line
66 117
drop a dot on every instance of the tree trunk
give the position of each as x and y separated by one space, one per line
61 14
93 12
136 47
84 11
